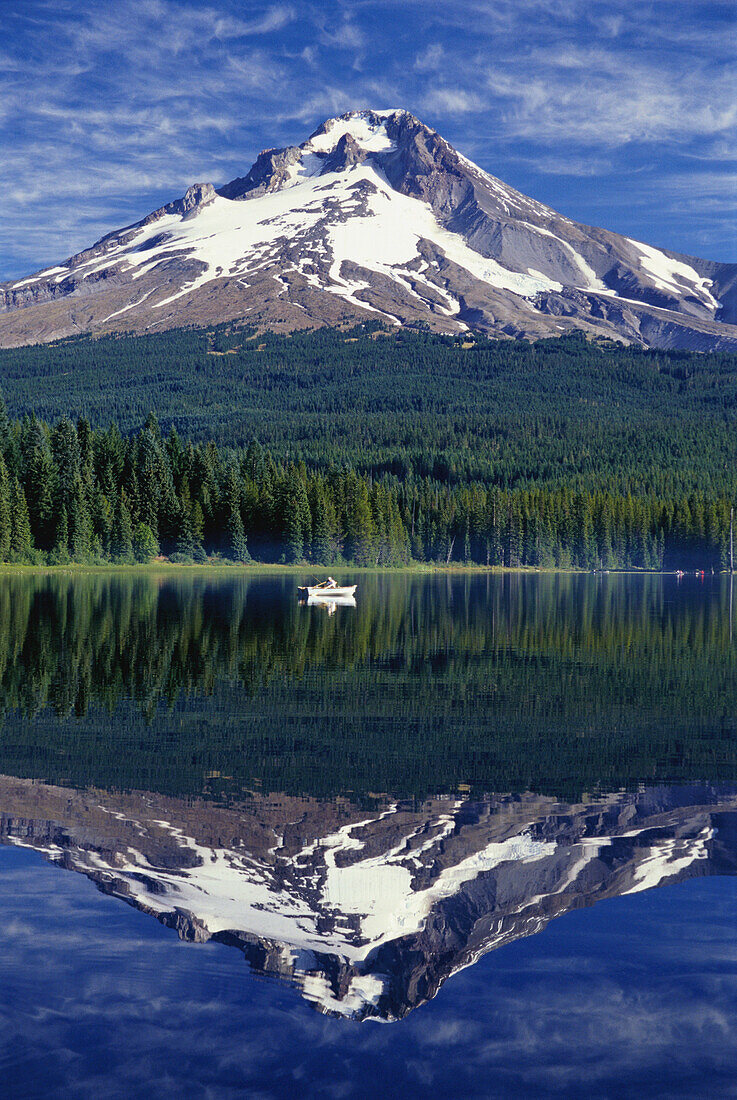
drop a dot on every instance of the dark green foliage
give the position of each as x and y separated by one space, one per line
60 553
557 413
376 448
326 542
293 519
21 544
122 541
145 546
236 545
6 523
201 503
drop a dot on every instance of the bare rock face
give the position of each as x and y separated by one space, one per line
375 216
368 912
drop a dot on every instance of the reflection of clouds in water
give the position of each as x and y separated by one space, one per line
99 1001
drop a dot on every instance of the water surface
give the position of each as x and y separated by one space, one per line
498 813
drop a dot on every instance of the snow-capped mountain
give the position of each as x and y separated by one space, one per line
369 912
374 216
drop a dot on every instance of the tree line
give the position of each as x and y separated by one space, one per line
69 492
564 413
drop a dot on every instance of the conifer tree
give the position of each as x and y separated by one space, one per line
67 454
152 482
324 524
21 544
185 543
84 438
293 514
80 534
61 537
40 481
145 546
5 510
236 546
360 527
122 533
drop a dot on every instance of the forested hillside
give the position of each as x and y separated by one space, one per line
372 447
558 414
71 492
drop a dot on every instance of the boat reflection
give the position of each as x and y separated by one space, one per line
369 910
330 603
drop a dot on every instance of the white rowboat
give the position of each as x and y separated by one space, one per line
328 590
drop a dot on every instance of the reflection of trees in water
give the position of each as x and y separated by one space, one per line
428 682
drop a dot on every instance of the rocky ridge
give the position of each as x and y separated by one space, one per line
375 216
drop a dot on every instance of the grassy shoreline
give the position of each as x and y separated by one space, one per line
167 568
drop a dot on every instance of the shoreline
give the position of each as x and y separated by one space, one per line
277 569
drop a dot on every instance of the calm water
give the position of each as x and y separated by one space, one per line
496 814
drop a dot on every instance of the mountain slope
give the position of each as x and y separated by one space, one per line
374 216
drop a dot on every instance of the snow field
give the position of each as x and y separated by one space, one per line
674 276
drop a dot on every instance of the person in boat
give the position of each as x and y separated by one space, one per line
329 583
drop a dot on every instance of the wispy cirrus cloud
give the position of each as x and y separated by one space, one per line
452 101
143 96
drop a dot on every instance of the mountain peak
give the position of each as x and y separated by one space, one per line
362 133
360 119
375 215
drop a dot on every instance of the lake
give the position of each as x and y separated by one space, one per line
475 836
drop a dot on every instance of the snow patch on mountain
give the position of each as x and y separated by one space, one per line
369 136
674 276
37 278
379 890
390 235
591 280
131 305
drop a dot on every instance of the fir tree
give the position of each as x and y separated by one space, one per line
40 480
21 543
5 510
237 545
322 510
122 543
145 546
61 537
80 534
360 527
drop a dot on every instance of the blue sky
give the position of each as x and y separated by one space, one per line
620 114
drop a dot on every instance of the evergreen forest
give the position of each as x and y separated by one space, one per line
368 447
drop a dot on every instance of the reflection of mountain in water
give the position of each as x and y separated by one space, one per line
369 911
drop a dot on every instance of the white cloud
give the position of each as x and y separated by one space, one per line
430 59
346 36
272 20
453 101
161 92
